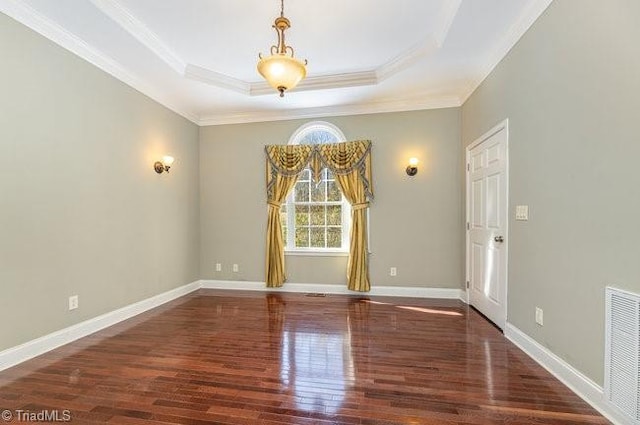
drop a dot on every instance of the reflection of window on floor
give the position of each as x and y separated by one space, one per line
319 369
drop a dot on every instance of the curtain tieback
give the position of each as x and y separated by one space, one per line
274 204
360 206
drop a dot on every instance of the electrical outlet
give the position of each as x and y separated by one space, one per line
539 316
73 302
218 267
393 271
235 268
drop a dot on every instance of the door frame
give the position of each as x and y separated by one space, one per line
502 126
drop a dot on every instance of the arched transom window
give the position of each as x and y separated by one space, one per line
316 217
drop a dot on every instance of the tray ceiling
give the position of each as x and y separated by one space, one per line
198 57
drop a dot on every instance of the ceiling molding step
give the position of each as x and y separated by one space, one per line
322 82
407 58
125 19
418 103
526 19
29 17
445 19
217 79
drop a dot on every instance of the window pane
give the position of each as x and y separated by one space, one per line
333 192
317 215
318 192
302 192
302 215
302 237
318 136
317 237
334 215
305 175
334 237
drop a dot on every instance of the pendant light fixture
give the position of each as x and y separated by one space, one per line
281 70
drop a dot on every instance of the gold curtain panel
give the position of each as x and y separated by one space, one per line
350 162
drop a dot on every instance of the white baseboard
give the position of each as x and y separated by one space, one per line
392 291
584 387
18 354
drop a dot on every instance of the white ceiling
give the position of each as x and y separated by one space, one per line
198 57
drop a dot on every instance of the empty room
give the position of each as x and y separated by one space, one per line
303 212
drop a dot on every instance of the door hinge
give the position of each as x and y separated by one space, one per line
468 167
468 226
467 284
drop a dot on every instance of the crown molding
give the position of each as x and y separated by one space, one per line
406 59
414 104
445 20
526 19
121 15
217 79
29 17
322 82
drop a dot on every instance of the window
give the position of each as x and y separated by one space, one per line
316 217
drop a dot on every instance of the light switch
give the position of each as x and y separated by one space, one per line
522 212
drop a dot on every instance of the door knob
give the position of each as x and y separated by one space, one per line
498 239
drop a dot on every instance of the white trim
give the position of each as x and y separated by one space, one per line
315 253
529 15
123 17
321 82
18 354
502 125
313 125
584 387
29 17
387 291
217 79
444 21
425 101
406 59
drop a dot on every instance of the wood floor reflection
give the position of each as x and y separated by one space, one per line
255 358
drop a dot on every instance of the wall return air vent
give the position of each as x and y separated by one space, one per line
622 348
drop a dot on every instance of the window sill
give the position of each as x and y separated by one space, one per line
303 253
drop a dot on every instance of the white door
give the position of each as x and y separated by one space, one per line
487 218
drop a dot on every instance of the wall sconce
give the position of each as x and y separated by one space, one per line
412 168
163 166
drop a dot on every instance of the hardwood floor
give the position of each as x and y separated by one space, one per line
256 358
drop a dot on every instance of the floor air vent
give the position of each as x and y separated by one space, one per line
622 347
315 295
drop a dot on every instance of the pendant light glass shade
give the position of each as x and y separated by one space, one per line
281 71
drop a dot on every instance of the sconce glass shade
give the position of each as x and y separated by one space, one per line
412 168
281 71
163 166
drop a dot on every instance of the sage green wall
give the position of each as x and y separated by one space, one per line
415 222
81 209
571 91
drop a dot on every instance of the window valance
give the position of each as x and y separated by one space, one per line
340 158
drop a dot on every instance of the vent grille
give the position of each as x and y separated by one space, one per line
622 345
